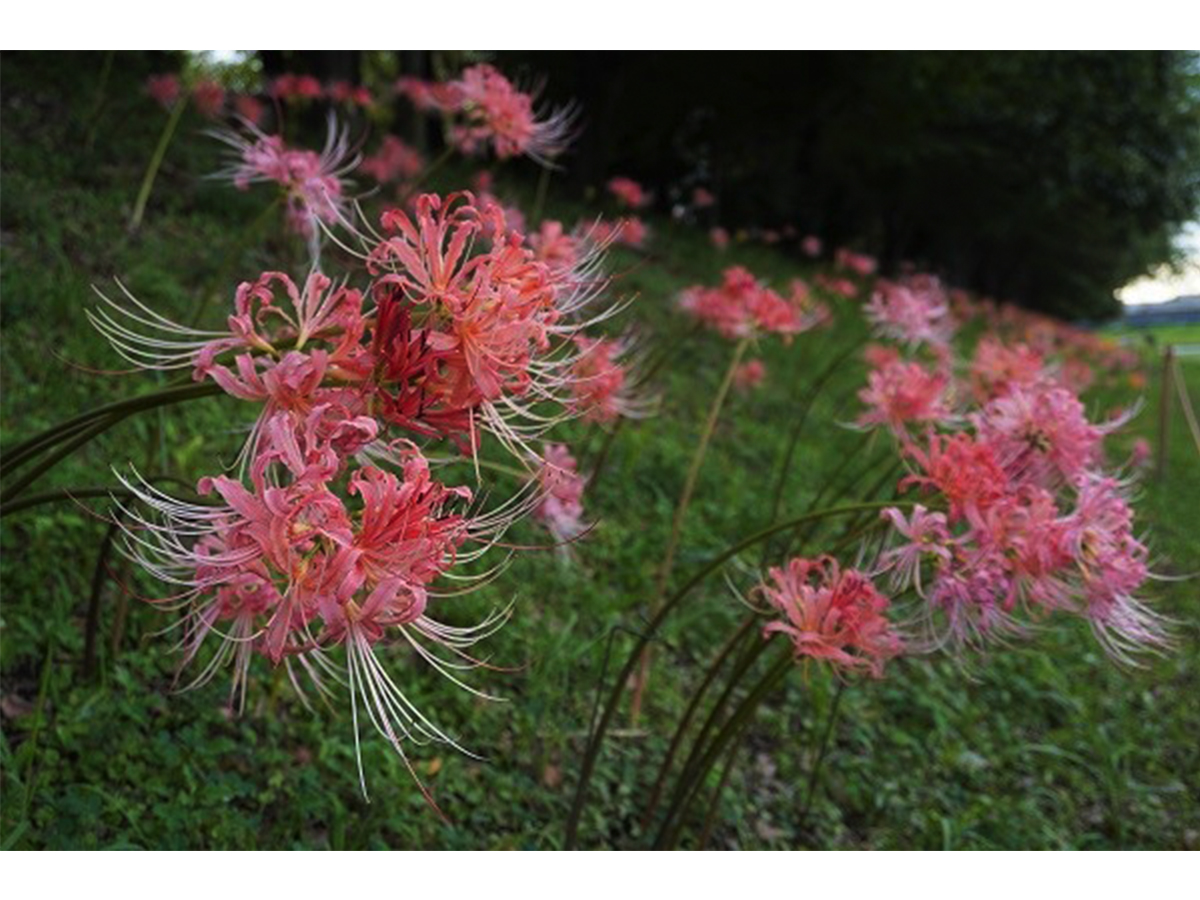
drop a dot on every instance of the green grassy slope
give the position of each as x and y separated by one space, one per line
1047 744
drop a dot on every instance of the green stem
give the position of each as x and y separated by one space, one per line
681 509
810 792
710 818
539 200
694 704
686 792
143 197
113 412
648 633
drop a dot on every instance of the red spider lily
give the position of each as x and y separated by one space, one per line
831 614
900 393
164 89
393 161
750 375
628 192
209 98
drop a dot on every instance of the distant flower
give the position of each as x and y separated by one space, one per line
914 312
209 98
749 375
628 192
858 263
490 111
349 94
702 198
811 245
900 394
393 161
740 307
164 89
719 237
561 506
312 183
629 232
249 108
831 614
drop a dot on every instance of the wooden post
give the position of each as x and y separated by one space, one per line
1164 411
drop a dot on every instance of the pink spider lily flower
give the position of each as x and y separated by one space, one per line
165 90
811 245
560 508
490 111
430 96
349 94
1111 565
997 368
741 307
750 375
249 108
914 313
313 183
209 98
719 238
556 247
859 263
497 322
628 192
290 88
702 198
841 287
290 571
926 538
901 393
1040 434
961 469
831 614
393 161
603 382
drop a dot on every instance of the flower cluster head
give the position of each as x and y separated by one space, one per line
832 614
811 245
901 394
313 184
208 97
394 161
291 88
742 307
859 263
719 238
915 312
334 532
349 94
628 192
1019 520
561 489
164 89
703 198
488 110
750 375
604 385
630 231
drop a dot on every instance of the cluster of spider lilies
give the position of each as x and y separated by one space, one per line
457 331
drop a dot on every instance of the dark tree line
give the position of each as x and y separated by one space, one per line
1047 178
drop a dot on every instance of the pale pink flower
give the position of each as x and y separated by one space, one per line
998 368
831 614
741 306
914 312
313 184
719 238
901 393
561 506
811 245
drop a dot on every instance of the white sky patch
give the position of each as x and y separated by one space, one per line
1166 284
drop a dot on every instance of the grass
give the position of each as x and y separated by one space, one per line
1046 744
